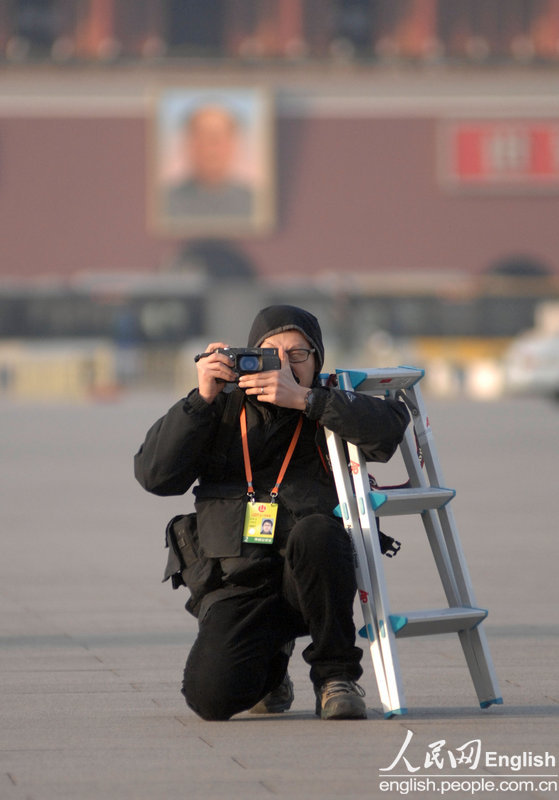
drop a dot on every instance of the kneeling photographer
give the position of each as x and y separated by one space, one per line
268 560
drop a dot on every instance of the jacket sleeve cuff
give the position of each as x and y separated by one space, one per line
320 398
194 403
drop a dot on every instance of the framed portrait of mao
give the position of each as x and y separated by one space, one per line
211 162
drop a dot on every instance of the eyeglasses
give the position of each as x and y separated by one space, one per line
297 356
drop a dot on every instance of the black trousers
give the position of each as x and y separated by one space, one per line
237 657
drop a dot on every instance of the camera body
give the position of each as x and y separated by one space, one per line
249 360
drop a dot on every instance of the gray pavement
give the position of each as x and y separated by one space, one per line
92 645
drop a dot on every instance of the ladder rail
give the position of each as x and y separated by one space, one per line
482 670
348 506
431 521
446 516
369 529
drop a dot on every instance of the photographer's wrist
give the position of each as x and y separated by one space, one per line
308 400
315 402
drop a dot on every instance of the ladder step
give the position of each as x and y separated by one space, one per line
390 502
442 620
380 381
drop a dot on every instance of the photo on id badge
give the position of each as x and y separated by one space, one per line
260 522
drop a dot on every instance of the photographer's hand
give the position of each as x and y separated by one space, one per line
277 386
211 368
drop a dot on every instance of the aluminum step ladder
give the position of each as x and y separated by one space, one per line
427 496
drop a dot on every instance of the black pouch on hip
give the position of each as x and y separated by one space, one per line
186 564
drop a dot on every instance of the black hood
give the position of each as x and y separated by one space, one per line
276 319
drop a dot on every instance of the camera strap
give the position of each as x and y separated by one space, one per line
246 455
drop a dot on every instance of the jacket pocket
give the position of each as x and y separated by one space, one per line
221 517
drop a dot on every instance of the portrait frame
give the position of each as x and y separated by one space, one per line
181 200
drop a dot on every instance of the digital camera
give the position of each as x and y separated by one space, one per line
248 360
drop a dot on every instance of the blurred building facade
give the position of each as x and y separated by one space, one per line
476 30
415 152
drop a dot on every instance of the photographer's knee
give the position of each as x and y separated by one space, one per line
317 536
206 704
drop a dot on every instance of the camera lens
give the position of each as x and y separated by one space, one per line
249 363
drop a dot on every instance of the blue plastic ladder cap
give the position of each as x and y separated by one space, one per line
450 498
341 511
398 621
370 635
498 701
355 376
377 499
486 613
396 712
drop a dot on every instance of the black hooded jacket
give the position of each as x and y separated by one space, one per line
180 449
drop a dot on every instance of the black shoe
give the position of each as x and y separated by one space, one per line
278 700
338 698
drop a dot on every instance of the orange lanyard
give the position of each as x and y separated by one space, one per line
286 460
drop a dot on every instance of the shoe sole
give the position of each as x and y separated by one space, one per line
260 708
278 707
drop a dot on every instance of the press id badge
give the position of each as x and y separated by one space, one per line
260 523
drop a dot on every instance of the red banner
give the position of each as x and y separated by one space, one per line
502 153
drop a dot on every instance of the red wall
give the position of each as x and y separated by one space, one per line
353 195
